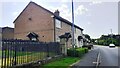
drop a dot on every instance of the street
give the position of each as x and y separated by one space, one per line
108 57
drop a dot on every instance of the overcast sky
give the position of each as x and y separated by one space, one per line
96 17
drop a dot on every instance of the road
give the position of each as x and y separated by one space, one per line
109 57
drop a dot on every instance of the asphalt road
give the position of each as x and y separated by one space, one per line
109 58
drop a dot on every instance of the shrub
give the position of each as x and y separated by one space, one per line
78 52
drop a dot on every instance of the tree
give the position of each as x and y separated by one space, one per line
108 39
88 37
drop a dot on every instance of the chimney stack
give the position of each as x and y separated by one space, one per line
57 12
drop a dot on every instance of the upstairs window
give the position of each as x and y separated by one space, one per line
58 23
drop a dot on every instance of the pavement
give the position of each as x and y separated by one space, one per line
109 58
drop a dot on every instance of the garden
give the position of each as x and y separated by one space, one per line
73 55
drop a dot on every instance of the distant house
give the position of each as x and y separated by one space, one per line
7 33
44 25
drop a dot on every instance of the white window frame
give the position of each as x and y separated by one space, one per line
34 39
58 23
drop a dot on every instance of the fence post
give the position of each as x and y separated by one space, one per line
5 55
10 46
15 54
2 54
47 49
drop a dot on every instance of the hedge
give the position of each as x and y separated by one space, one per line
78 52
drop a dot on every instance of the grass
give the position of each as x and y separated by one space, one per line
0 53
24 57
67 61
12 53
64 62
20 53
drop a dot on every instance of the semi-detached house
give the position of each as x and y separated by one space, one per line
44 25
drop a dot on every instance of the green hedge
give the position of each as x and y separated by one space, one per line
78 52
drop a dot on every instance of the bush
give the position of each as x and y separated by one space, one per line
78 52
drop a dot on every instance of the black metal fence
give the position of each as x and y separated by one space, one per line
15 52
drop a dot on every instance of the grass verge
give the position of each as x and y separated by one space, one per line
62 63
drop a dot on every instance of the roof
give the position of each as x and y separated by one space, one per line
55 16
32 34
66 35
7 27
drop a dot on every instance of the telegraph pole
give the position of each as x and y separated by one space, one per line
73 25
111 31
111 35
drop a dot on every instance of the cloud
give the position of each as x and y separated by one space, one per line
88 23
14 3
1 12
15 13
95 2
64 0
81 10
64 11
88 14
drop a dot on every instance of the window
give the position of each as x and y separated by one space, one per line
34 39
57 39
58 23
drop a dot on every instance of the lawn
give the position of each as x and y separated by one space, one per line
0 53
24 57
62 63
67 61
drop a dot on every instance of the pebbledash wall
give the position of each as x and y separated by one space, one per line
46 24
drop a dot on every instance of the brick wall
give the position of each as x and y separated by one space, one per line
7 33
60 31
35 19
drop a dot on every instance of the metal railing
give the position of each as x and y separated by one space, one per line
16 52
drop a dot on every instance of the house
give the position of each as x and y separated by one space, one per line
44 25
7 33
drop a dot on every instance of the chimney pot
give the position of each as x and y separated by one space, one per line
57 12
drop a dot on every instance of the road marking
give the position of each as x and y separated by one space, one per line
98 60
75 63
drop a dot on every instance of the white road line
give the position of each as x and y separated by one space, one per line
98 60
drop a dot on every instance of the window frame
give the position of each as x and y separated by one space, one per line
58 23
